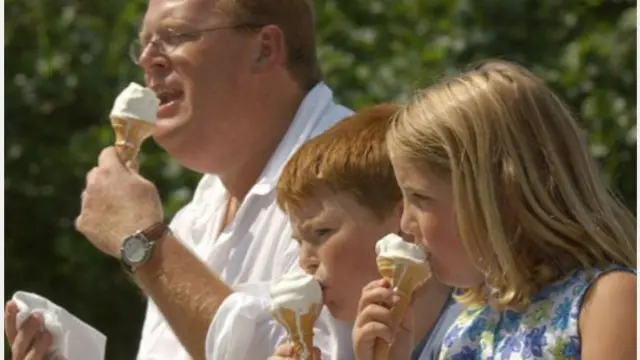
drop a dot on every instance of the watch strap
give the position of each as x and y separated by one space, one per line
155 232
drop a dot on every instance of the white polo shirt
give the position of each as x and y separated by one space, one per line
257 246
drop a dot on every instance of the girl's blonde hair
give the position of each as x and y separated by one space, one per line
530 203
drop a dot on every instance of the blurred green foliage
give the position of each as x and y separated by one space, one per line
67 60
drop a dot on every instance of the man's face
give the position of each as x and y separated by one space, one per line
199 77
338 238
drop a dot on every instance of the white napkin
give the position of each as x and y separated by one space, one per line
72 338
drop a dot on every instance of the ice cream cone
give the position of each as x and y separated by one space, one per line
130 134
300 328
406 268
296 301
133 117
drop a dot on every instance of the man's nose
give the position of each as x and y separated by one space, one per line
151 59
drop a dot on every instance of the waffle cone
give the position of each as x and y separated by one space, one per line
130 134
300 328
405 277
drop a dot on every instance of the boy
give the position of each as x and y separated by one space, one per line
341 196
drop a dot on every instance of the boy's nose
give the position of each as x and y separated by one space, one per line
309 267
309 261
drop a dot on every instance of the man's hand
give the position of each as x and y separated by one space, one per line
287 352
375 321
29 342
116 202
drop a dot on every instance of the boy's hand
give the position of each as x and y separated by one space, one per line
287 352
375 320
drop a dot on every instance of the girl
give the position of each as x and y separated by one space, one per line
499 188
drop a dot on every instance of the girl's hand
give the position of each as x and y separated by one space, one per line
375 320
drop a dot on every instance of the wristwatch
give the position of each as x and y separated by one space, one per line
136 249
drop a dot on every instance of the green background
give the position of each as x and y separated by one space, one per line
67 60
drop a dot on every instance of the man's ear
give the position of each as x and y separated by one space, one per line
271 49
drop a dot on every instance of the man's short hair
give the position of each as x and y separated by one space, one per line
350 157
296 20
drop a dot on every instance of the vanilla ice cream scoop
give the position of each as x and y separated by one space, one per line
295 291
392 246
133 118
296 301
136 102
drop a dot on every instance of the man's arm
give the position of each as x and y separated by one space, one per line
187 293
116 203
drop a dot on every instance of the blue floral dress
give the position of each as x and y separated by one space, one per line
547 329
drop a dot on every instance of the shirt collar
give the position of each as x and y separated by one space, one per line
311 111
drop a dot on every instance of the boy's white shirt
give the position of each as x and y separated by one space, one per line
255 249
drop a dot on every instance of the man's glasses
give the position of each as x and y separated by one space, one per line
170 41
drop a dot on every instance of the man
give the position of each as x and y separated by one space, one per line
240 90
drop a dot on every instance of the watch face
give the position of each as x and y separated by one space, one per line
134 249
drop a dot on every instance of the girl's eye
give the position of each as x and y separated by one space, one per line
419 200
419 196
322 232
